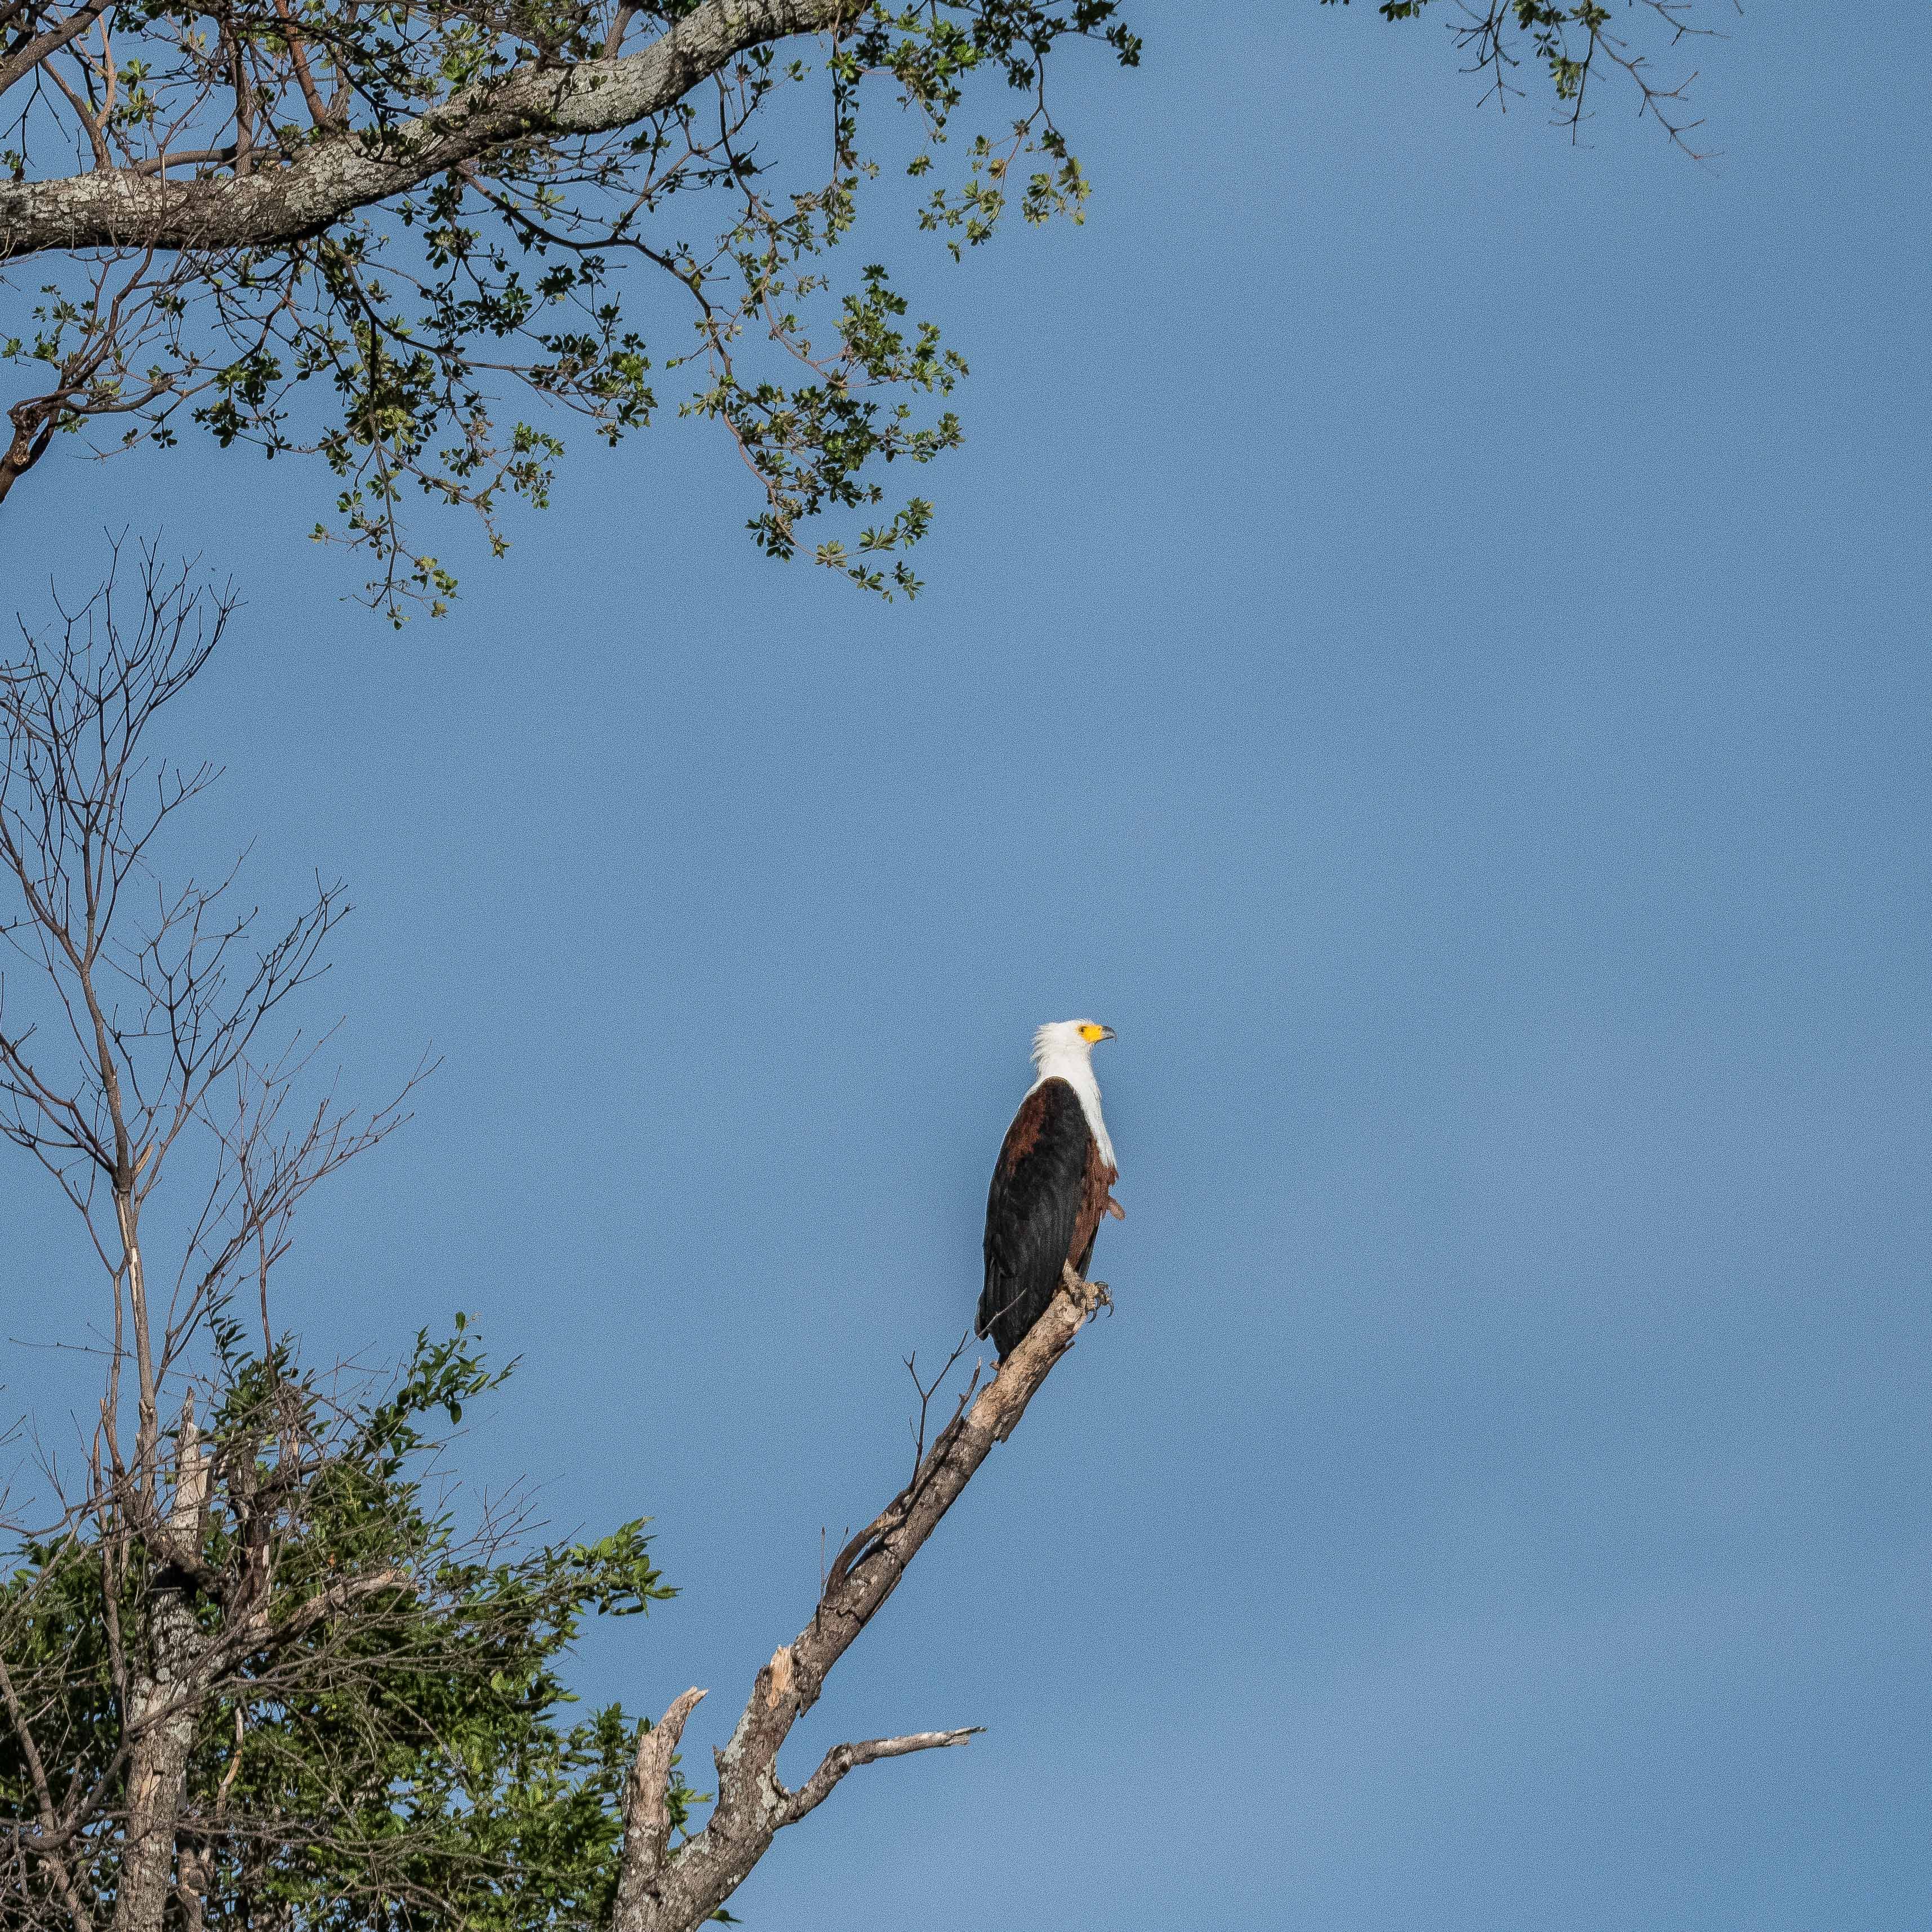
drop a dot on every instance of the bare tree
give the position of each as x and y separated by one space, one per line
152 1005
350 229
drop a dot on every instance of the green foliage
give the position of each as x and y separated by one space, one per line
689 259
413 1760
384 343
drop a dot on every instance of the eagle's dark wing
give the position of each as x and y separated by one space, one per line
1034 1210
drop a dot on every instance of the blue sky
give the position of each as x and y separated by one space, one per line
1427 637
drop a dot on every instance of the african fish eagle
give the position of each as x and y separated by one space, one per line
1050 1186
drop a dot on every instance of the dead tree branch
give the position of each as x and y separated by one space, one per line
662 1891
842 1758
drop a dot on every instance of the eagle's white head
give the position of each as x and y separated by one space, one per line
1063 1050
1068 1036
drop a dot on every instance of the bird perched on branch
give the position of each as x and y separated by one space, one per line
1050 1186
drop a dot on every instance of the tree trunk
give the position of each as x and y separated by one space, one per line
163 1706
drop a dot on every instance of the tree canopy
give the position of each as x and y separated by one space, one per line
378 234
414 1754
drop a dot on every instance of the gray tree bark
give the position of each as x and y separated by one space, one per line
661 1890
163 1708
337 173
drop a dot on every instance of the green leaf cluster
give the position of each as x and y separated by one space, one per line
413 1759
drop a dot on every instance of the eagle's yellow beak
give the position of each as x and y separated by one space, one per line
1093 1035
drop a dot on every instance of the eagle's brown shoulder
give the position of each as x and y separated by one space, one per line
1028 1124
